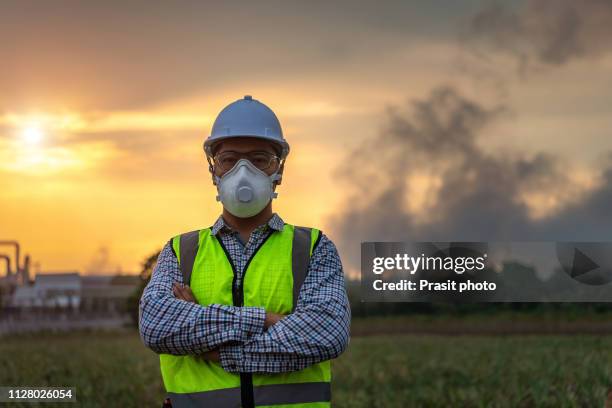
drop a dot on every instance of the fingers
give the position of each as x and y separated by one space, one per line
272 318
212 355
177 291
182 292
188 294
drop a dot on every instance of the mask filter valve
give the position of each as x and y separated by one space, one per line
244 194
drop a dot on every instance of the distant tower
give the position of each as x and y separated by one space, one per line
26 270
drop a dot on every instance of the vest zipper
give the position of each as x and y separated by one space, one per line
246 379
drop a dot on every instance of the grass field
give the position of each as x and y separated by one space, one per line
115 370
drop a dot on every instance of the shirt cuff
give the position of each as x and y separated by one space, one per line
252 321
230 356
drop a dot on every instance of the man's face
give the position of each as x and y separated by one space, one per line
258 149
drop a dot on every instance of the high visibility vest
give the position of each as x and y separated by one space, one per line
272 279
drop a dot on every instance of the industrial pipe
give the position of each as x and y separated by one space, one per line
17 248
8 263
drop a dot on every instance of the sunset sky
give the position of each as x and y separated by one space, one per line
104 107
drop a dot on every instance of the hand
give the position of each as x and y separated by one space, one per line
183 292
212 355
272 318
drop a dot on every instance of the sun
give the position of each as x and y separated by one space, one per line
32 134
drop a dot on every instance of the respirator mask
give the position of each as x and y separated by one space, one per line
245 190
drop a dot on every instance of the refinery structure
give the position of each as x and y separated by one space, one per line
59 299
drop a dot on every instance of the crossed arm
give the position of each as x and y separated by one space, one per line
247 339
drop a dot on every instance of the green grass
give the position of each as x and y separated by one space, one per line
474 371
115 370
108 369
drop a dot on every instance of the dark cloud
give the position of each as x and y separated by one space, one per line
545 32
479 193
479 196
118 55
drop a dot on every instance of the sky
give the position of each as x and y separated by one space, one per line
406 120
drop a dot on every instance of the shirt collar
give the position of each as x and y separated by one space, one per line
275 222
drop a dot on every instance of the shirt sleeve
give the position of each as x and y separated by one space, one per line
174 326
317 330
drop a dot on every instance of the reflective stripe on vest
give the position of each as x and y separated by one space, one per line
275 394
272 279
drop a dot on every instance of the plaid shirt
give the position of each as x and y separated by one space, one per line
317 330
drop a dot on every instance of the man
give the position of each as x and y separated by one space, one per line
249 311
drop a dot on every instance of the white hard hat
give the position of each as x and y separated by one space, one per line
246 117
